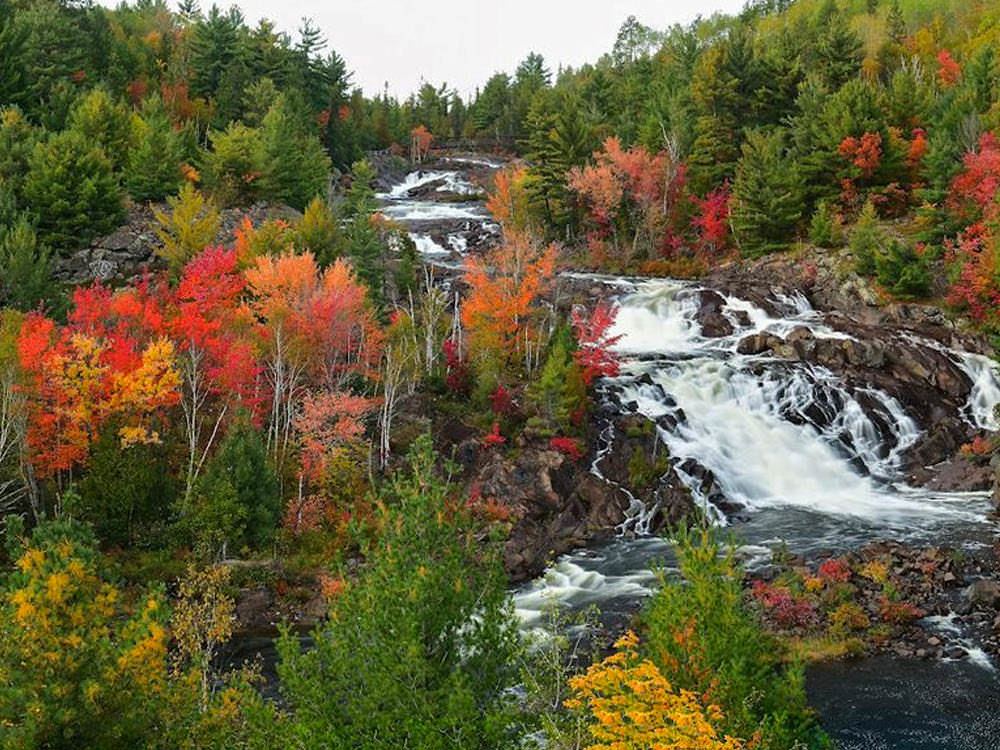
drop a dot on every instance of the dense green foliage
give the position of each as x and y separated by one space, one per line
420 648
704 638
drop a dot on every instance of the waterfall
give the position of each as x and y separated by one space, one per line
775 433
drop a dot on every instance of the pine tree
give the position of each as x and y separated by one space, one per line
242 464
17 141
13 47
895 23
768 195
214 46
106 123
72 189
824 228
319 233
838 53
429 608
295 166
25 267
235 165
154 168
867 240
715 93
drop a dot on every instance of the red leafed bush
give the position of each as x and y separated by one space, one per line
494 437
457 376
786 609
865 152
712 221
835 571
898 613
568 446
949 73
502 402
979 447
594 355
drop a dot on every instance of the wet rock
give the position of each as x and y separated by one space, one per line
714 324
984 593
253 608
758 343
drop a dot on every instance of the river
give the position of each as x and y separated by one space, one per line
814 462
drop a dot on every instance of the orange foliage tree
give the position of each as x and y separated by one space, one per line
314 329
499 312
112 360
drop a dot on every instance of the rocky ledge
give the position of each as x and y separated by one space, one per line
899 348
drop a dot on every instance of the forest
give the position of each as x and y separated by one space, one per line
287 398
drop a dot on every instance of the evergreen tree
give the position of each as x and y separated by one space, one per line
419 649
127 493
25 267
319 233
13 48
235 165
296 168
72 189
715 93
214 46
867 240
903 271
154 169
838 52
17 141
824 228
768 195
241 465
106 123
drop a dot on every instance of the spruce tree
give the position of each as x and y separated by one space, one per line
768 195
72 190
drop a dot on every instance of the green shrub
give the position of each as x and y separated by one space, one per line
866 240
704 638
421 650
824 228
903 271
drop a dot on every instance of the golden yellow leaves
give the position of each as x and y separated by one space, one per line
633 707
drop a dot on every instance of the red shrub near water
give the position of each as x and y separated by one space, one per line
835 571
568 446
898 613
786 609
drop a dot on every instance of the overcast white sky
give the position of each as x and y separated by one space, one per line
463 42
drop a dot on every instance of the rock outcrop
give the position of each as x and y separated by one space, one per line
130 251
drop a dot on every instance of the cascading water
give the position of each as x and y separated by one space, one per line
813 463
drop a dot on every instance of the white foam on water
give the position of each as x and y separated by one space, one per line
430 211
984 373
773 433
427 246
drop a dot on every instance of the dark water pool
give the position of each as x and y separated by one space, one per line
893 704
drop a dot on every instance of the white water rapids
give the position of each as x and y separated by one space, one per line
813 463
